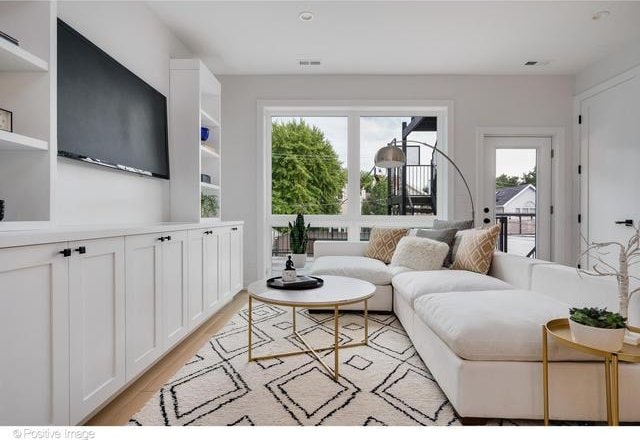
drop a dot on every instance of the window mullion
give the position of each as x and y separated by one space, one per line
353 172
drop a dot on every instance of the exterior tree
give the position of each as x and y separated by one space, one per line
307 175
375 201
530 177
504 181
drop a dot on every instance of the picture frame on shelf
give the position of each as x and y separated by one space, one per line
6 120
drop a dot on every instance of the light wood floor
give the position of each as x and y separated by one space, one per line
132 399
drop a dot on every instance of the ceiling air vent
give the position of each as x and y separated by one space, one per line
309 62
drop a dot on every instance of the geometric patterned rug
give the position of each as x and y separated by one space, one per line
384 383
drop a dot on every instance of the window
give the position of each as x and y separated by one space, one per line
319 161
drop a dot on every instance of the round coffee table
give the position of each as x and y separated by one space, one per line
335 292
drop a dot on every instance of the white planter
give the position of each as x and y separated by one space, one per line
605 339
299 260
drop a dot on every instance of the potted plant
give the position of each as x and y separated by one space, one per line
597 328
298 239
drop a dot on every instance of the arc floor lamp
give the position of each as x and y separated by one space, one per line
392 156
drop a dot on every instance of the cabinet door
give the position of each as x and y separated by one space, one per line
97 312
211 271
143 291
174 288
34 341
225 262
197 301
235 251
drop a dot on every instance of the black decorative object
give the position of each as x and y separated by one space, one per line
6 120
204 133
303 283
9 38
1 210
205 178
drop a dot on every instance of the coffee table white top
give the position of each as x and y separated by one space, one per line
335 291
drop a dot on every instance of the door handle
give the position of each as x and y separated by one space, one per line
66 252
81 250
627 222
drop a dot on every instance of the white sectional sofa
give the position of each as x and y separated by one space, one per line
480 335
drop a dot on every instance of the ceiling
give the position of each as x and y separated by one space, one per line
400 37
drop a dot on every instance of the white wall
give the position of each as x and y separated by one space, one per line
478 101
616 63
132 34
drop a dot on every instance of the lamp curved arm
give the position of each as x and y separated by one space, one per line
442 153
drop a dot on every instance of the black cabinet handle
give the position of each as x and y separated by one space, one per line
81 250
66 252
161 238
208 232
234 229
168 237
627 222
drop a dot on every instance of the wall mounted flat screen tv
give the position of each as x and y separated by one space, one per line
107 115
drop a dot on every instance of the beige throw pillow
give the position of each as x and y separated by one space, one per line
383 242
476 250
420 253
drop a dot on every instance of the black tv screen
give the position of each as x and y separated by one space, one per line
106 114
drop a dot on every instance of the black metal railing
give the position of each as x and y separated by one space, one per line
411 190
280 246
516 224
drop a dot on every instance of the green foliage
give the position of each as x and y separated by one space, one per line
596 317
375 202
299 235
208 205
307 174
504 181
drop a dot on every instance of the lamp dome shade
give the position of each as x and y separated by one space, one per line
390 157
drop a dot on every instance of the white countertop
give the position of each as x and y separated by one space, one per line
59 234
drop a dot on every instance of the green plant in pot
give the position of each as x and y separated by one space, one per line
298 239
597 328
208 205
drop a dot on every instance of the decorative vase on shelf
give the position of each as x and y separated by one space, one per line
204 133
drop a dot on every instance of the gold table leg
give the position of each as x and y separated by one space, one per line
366 322
607 387
249 329
615 404
545 375
293 310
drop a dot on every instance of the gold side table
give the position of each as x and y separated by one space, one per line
335 292
559 330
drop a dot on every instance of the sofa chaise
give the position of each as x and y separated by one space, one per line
480 335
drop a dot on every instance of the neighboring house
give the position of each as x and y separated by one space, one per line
519 199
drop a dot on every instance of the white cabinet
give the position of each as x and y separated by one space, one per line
144 301
203 275
82 319
97 323
235 259
157 296
174 255
34 343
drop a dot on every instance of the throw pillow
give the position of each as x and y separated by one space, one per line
382 243
476 250
420 253
444 235
453 224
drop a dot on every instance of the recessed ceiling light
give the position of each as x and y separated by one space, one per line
600 15
306 16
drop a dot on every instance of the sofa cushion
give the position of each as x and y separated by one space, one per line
444 235
476 249
383 242
362 268
413 285
420 253
452 224
501 325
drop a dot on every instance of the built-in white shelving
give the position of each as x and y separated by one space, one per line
14 141
210 186
195 103
208 120
15 59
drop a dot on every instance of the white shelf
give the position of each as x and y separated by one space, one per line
210 186
23 226
209 151
208 120
14 141
15 59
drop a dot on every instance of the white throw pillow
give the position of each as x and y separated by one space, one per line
420 253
